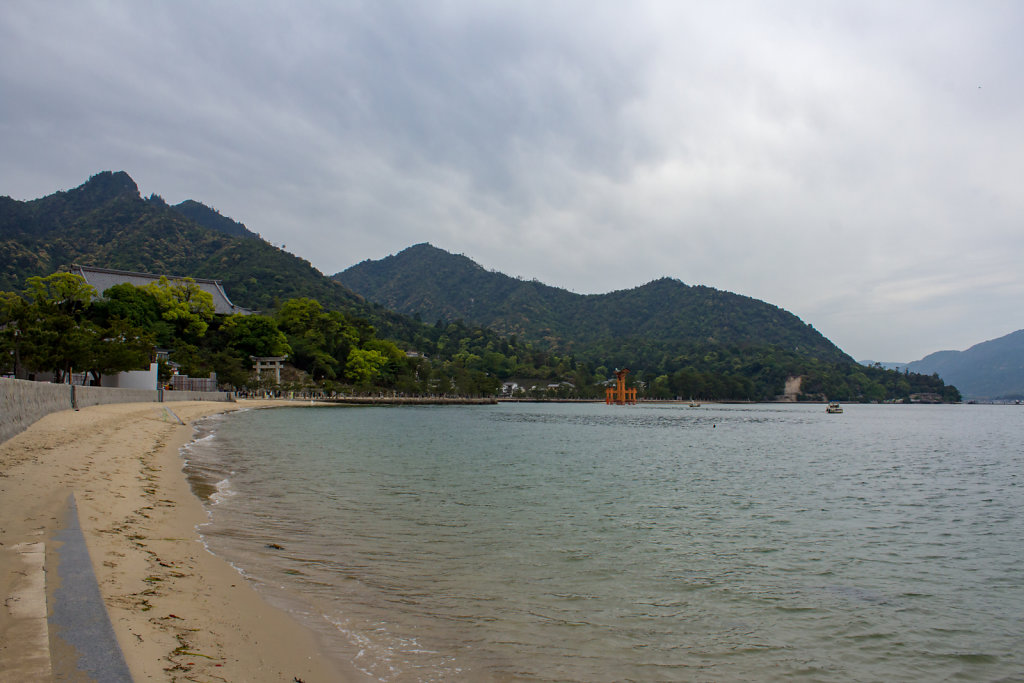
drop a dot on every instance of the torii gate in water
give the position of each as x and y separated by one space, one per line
620 395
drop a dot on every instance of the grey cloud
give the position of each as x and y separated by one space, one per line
819 155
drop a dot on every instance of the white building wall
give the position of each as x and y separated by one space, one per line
134 379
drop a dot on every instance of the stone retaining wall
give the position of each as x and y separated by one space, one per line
23 402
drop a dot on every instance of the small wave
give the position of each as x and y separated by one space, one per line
370 658
972 657
223 492
200 439
206 545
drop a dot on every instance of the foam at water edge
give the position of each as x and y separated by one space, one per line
362 644
224 491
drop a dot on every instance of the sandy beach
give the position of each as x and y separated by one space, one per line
179 613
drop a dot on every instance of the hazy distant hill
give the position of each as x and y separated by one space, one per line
660 317
991 369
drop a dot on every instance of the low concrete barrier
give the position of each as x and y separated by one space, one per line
170 395
23 402
95 396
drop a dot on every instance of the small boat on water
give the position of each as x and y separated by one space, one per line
694 404
834 407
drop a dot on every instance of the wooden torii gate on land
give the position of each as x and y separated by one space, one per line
620 394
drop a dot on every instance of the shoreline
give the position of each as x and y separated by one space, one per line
178 611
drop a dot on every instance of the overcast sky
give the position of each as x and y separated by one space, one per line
857 163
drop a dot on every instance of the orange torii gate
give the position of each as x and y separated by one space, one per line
620 395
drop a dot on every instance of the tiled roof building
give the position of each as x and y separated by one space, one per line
104 278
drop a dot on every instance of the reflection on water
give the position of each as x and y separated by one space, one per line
655 543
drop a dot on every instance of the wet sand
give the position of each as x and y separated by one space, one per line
178 612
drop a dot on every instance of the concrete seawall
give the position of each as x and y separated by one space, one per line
96 396
196 396
23 402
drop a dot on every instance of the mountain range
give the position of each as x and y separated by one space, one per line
643 324
680 338
106 223
991 370
683 336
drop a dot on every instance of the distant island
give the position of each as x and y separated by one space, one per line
989 371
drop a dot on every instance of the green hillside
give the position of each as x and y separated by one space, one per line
684 340
665 313
212 219
679 340
106 223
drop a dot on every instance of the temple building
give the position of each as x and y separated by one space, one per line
103 279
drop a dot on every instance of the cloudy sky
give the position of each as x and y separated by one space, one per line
857 163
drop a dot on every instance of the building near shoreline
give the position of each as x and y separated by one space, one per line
103 279
186 383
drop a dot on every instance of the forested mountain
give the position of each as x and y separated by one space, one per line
990 370
679 340
687 340
212 219
106 223
663 316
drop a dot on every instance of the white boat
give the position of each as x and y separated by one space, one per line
834 407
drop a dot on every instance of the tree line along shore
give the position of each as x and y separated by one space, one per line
59 324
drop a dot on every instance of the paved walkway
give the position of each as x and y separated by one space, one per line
82 641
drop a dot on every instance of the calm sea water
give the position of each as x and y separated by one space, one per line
647 543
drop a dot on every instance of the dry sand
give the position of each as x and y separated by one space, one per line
179 612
